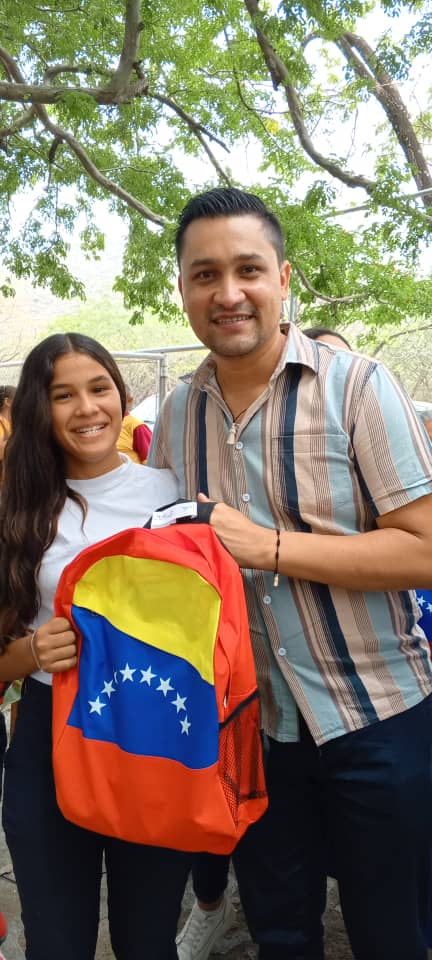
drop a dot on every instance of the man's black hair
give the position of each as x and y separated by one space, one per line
230 202
315 333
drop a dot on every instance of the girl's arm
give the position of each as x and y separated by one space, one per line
52 647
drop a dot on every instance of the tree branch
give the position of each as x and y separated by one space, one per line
395 204
9 65
18 91
23 120
187 118
129 54
197 129
46 93
368 67
55 69
63 135
280 77
94 172
353 298
400 333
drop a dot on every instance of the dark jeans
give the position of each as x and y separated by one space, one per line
209 876
371 793
428 927
58 865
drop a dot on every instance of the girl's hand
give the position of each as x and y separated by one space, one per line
54 646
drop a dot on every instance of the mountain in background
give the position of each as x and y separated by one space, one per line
24 317
35 313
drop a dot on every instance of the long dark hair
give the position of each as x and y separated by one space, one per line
34 486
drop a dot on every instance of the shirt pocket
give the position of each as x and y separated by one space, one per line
313 475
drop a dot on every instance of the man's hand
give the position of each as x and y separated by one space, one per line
55 645
249 544
395 556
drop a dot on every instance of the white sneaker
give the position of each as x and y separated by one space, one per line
203 928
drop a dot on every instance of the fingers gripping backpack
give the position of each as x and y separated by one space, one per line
156 733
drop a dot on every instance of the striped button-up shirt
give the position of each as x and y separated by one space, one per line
331 444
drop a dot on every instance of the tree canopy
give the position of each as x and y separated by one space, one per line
142 103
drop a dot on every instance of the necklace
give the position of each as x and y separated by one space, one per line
232 432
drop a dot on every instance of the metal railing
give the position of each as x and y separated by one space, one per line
158 355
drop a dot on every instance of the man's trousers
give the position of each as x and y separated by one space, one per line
365 801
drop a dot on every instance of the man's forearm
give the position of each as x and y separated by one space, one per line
379 560
390 558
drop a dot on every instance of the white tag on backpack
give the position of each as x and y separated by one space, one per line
174 513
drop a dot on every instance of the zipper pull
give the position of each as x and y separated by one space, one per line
232 433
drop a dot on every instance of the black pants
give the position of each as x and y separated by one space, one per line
370 794
209 876
58 865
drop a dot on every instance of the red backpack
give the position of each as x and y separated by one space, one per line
156 735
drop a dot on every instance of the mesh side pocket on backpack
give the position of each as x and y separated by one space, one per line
240 756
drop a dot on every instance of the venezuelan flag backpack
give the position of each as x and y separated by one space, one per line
156 735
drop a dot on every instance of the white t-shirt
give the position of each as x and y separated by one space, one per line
123 498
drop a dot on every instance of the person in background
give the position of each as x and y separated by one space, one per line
325 335
135 436
66 487
427 423
288 438
7 394
212 913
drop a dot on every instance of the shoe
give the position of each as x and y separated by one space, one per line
202 930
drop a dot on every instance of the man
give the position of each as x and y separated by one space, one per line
326 335
329 473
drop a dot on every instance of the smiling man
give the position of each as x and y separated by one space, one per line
323 477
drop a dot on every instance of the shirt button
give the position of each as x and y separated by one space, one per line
281 652
239 445
267 599
245 497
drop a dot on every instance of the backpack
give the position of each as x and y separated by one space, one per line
156 733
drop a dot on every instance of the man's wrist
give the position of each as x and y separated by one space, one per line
267 548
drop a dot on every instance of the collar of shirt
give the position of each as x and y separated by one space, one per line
298 349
